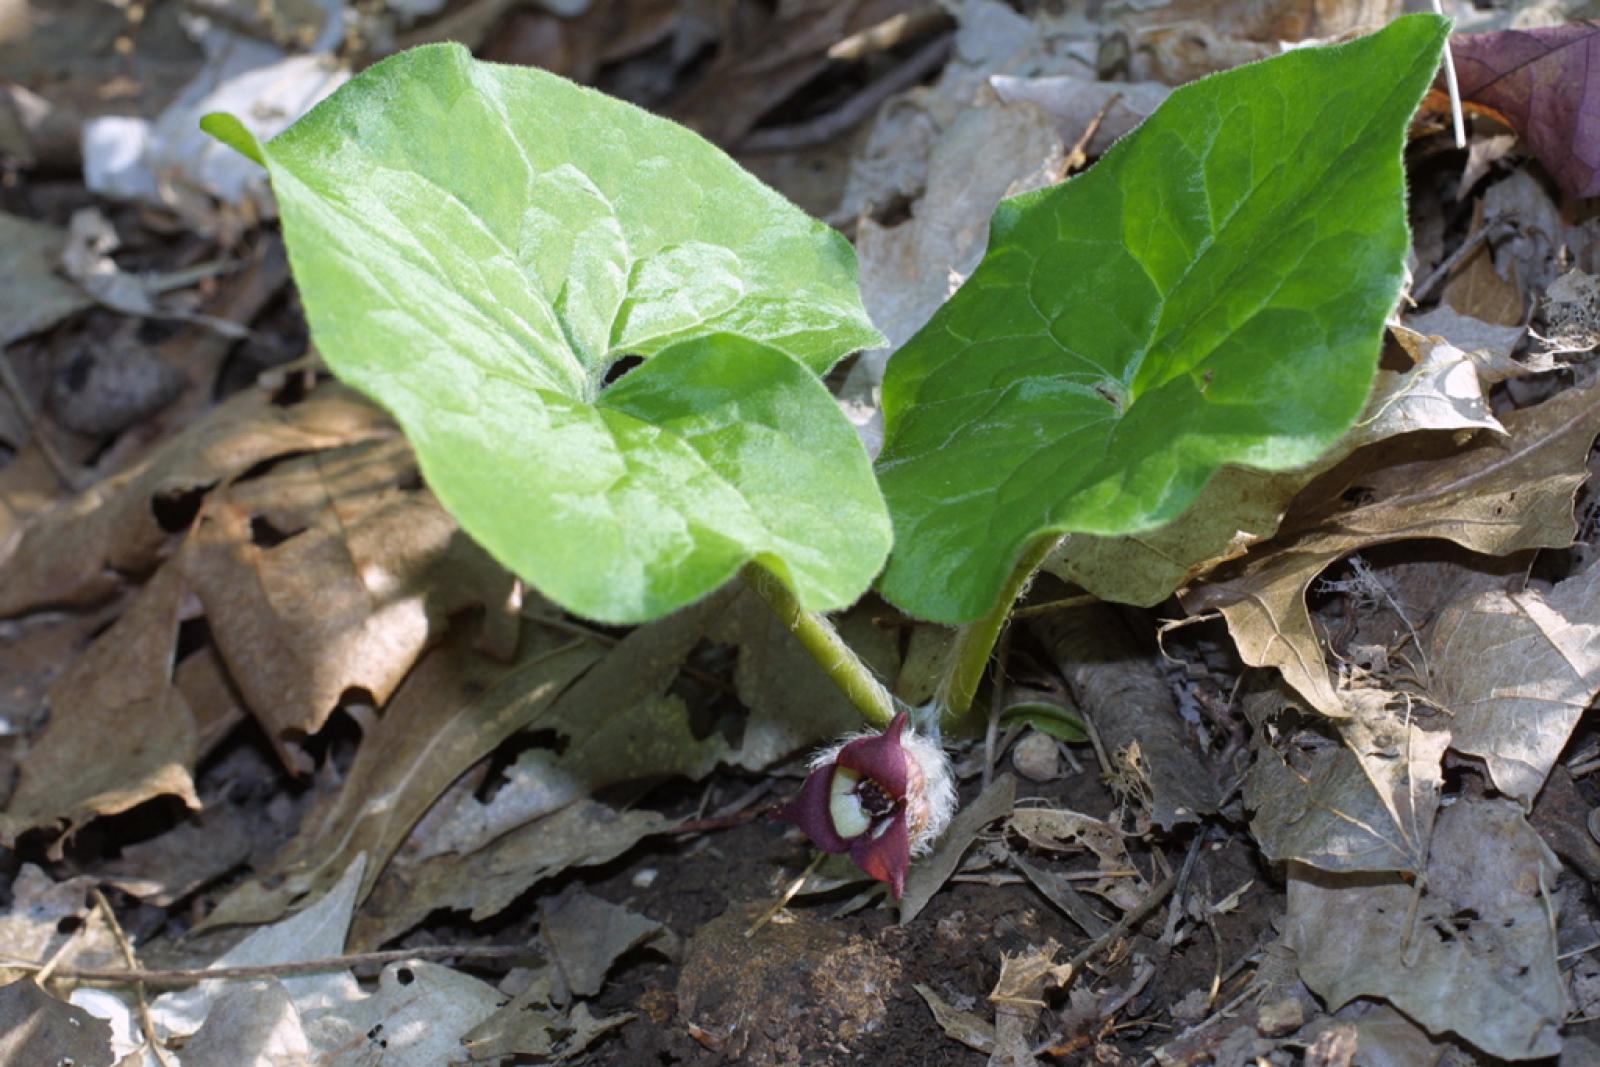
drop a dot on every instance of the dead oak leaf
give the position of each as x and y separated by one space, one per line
1313 800
332 574
1517 671
1496 496
83 550
119 731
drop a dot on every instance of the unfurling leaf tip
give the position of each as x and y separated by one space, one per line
227 128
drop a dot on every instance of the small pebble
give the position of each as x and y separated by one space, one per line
1036 757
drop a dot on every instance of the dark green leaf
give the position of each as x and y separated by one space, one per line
1212 292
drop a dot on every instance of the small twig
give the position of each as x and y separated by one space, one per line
43 972
1078 157
125 947
1453 260
186 976
826 127
892 32
1150 903
788 894
1171 931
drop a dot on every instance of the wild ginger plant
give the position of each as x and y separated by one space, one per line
478 248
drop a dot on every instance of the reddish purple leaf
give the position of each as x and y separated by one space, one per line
1546 83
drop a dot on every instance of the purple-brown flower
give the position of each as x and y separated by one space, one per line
880 797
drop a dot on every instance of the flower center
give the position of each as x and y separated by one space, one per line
874 801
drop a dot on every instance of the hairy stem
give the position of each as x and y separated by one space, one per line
817 635
975 641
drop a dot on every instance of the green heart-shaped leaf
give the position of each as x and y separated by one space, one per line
477 245
1213 291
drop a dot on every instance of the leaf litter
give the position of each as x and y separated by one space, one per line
266 576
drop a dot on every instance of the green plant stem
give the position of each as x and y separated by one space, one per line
817 635
975 641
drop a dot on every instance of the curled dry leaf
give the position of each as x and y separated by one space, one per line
1496 496
1060 830
83 550
331 573
119 732
1516 671
1544 84
1314 800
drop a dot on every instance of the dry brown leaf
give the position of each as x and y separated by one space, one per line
1496 496
767 54
929 874
1539 244
359 572
252 1024
37 1028
33 297
1475 957
1018 999
963 1026
528 1026
1276 20
1060 830
34 651
483 882
1516 671
211 696
452 710
1490 346
48 917
908 270
1476 289
586 935
167 868
83 550
416 1017
1314 801
119 732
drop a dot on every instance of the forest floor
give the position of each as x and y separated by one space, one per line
264 707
